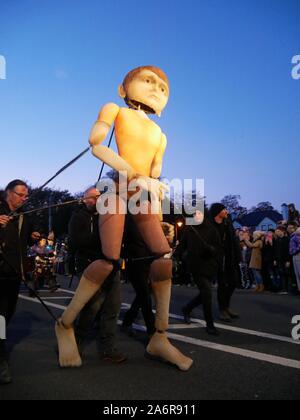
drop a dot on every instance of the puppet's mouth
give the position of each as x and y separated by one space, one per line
139 105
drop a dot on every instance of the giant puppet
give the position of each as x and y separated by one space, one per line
141 147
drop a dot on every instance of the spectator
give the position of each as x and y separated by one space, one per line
291 229
246 279
294 216
268 269
282 260
295 252
256 258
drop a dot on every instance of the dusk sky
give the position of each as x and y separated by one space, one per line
234 112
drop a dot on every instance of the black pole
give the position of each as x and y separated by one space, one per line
54 176
109 144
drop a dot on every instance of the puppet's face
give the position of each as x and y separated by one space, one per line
148 89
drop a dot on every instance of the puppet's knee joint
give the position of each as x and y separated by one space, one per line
117 264
161 269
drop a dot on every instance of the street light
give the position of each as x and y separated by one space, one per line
178 225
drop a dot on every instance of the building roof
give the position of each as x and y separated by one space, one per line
256 217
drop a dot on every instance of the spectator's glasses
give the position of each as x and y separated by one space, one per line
26 196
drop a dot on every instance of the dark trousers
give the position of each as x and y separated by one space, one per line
138 275
204 298
283 278
9 291
227 283
107 304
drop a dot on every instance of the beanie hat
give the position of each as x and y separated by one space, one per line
216 209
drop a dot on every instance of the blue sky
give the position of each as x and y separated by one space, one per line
234 111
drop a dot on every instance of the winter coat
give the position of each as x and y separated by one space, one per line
295 244
13 248
256 256
281 250
231 254
84 238
268 254
203 247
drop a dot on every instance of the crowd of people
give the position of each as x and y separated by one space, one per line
270 260
210 251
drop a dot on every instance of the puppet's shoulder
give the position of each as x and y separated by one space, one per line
108 113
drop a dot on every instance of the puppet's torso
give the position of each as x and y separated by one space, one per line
138 138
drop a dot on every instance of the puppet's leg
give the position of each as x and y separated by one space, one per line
160 275
111 229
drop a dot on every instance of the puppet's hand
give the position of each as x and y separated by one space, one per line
152 185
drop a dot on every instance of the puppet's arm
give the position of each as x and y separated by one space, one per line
98 134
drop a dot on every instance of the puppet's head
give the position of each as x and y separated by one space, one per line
146 88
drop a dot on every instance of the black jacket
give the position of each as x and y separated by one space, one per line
282 250
84 238
13 244
231 254
268 254
134 245
203 247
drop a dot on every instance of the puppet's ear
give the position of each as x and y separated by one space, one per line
121 91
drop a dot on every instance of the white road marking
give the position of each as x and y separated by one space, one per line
243 331
183 326
66 291
276 360
263 357
34 300
201 323
57 297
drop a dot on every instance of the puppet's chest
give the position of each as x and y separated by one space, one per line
137 132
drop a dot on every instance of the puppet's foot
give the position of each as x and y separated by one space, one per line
67 347
160 348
